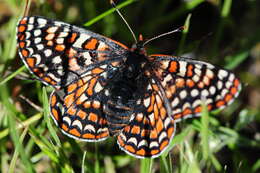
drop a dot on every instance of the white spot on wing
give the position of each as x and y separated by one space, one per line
153 144
231 77
37 40
29 27
195 78
209 73
132 140
176 111
98 87
162 136
52 29
82 38
42 21
47 52
31 20
175 102
87 58
194 93
63 34
222 74
228 84
60 40
167 121
183 65
56 60
142 143
77 123
212 90
37 32
197 71
183 94
27 35
204 93
67 120
220 85
147 102
196 103
37 58
224 92
89 127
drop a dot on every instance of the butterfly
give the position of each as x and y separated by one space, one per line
103 88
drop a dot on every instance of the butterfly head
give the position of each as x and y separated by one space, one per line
139 46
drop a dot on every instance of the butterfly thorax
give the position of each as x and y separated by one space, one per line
125 88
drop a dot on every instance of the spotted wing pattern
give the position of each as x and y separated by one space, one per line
59 53
82 67
77 63
188 83
151 129
77 109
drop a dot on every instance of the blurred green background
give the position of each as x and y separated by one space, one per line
222 32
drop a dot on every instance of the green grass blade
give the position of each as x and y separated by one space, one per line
237 59
177 139
83 162
146 165
215 163
192 162
184 34
12 75
11 112
226 8
256 166
205 132
47 118
101 16
186 6
16 153
27 122
164 165
109 165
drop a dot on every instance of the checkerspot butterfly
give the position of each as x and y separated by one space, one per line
103 88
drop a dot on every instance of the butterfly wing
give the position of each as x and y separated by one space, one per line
188 83
59 53
78 64
78 108
151 129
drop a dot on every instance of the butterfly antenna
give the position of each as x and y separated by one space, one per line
164 34
128 26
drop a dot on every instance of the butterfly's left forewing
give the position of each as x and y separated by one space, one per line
59 53
189 83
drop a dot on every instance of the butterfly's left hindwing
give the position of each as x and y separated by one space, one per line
78 109
59 53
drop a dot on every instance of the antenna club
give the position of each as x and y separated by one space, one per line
141 38
182 28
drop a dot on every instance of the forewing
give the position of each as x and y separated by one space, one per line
151 129
189 83
59 53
